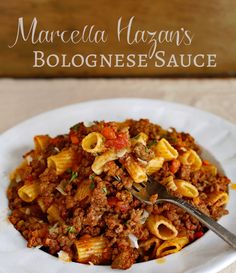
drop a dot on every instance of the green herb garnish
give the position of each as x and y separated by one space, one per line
151 143
92 185
75 127
172 139
69 170
117 178
71 229
91 177
73 176
104 190
137 136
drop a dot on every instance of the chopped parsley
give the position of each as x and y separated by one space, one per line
137 137
75 127
69 170
71 229
91 177
151 143
104 189
73 176
117 178
92 185
172 139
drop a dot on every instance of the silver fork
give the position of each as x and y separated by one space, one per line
143 192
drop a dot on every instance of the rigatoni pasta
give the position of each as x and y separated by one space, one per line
186 189
171 246
41 142
161 227
61 161
29 192
164 149
137 172
192 159
87 248
71 195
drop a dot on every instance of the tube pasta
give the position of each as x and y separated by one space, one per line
41 142
101 160
191 158
93 143
209 169
169 183
41 204
154 165
165 150
29 192
83 190
61 161
161 227
137 172
151 244
171 246
186 189
64 256
90 247
140 138
218 198
53 214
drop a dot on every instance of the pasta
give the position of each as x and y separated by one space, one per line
88 248
71 194
161 227
93 143
29 192
41 142
151 246
101 160
169 183
218 198
191 158
135 170
186 189
165 150
62 161
171 246
53 214
154 165
83 190
140 138
209 169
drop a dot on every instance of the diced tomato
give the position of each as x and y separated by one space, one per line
74 139
122 206
206 163
175 165
119 143
117 204
198 234
109 133
55 140
29 177
112 201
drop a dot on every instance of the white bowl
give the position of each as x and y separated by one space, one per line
207 255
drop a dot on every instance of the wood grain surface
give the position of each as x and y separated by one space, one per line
212 22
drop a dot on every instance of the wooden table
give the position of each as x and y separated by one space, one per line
211 22
22 99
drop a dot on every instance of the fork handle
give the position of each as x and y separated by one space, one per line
222 232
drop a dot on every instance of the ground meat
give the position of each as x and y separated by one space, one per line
109 211
142 152
125 259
